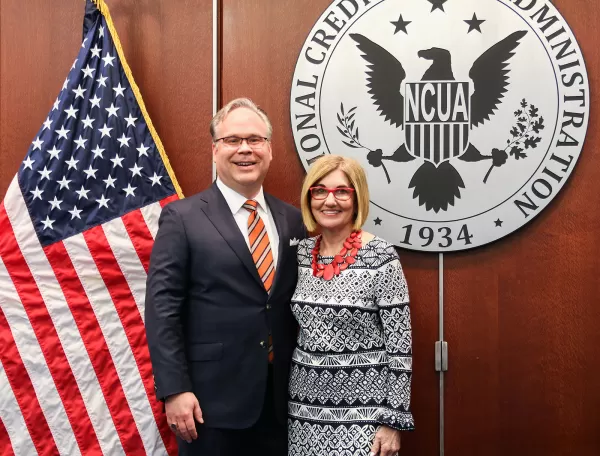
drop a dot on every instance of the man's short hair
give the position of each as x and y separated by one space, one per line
358 180
233 105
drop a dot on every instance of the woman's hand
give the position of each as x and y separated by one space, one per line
386 442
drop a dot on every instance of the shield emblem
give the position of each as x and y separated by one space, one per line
437 119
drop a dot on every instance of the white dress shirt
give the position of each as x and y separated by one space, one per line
235 201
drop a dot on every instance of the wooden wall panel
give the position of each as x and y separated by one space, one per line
35 57
168 46
523 314
261 42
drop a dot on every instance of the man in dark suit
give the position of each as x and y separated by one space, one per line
218 319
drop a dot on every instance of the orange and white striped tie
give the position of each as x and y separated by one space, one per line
260 248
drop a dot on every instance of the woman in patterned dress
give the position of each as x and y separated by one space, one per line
349 392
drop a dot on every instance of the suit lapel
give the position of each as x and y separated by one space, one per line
220 215
281 224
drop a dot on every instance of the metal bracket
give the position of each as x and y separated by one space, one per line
441 356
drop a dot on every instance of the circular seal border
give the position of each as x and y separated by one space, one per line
443 240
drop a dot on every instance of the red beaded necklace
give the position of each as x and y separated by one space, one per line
347 256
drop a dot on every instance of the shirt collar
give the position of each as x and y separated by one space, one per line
235 201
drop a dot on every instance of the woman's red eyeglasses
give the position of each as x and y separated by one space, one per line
339 193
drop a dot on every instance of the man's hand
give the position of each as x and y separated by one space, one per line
181 410
386 442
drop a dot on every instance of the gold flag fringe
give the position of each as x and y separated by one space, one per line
103 8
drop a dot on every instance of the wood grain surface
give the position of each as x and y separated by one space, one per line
522 315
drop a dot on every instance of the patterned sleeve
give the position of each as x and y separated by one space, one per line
391 295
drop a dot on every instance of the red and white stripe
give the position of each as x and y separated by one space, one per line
74 355
11 413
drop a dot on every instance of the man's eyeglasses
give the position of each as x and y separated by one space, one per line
255 142
339 193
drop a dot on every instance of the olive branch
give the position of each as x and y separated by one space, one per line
349 130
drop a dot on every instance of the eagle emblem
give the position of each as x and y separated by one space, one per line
437 113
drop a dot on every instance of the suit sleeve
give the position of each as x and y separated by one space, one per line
166 293
391 294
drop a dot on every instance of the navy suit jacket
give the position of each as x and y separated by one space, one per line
208 315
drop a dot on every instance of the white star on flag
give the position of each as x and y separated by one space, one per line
62 133
102 81
98 152
45 173
136 170
54 152
88 72
95 51
48 223
108 60
90 172
117 161
82 193
112 111
80 142
110 181
37 144
130 120
55 203
155 179
124 141
103 201
78 92
95 101
143 150
64 183
75 213
71 112
87 122
27 163
129 191
47 124
37 193
118 90
105 130
72 163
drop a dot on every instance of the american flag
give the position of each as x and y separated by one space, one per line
76 228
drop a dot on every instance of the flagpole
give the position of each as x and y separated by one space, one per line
215 66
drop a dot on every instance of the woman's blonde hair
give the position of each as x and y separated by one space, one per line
358 180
